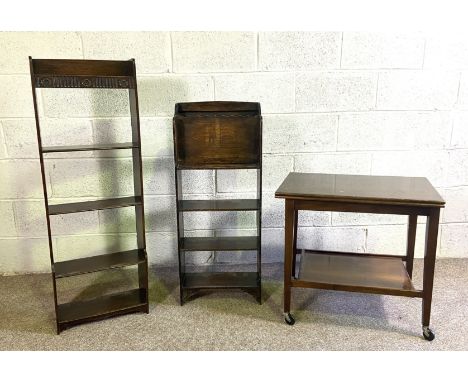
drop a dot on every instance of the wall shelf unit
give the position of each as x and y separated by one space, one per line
212 136
95 74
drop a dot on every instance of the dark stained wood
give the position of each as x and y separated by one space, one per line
104 146
68 208
226 243
294 253
220 138
99 263
363 207
44 187
221 280
365 273
288 252
138 182
432 230
360 254
217 135
61 67
220 205
370 274
410 243
217 106
78 312
95 74
398 190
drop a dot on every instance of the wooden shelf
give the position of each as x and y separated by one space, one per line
220 280
226 166
226 243
68 208
220 205
367 274
95 74
110 146
99 263
102 307
218 135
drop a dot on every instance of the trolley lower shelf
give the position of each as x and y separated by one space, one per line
355 272
221 280
78 312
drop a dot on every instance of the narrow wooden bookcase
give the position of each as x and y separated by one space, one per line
218 135
95 74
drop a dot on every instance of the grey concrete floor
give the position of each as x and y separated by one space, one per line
230 320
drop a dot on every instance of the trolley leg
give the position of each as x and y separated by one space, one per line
294 254
410 242
288 257
432 228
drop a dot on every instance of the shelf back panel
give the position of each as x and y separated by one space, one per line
216 135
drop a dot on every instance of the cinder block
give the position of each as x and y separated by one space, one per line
332 238
462 102
156 136
275 91
3 151
456 207
159 94
160 212
160 216
273 214
335 91
394 131
21 136
64 103
457 168
24 256
340 163
108 130
119 220
220 220
20 179
417 90
198 182
446 51
391 239
272 211
299 50
299 133
201 52
7 219
453 240
151 50
275 169
31 221
460 130
272 245
16 97
17 46
158 175
91 177
161 248
74 247
360 219
374 50
429 164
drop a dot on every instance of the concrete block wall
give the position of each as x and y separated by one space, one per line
344 102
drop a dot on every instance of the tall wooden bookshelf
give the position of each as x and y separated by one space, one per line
95 74
218 135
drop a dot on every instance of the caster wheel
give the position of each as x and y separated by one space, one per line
289 319
428 334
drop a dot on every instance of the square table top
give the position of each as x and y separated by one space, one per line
415 191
